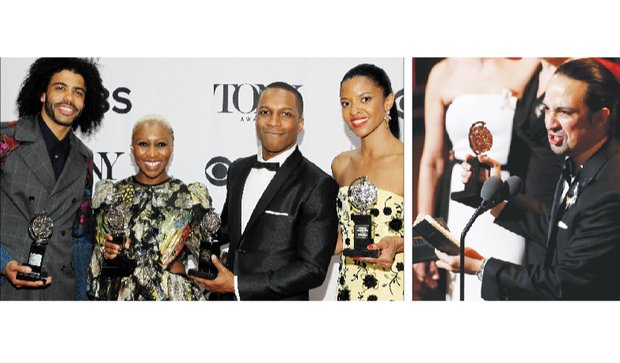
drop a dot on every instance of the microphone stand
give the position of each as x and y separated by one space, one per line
481 208
492 193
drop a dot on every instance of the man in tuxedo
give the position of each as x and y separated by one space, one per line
280 215
581 233
44 167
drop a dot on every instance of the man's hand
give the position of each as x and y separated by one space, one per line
13 267
453 263
224 282
495 168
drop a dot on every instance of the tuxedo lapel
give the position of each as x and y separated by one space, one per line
554 210
237 183
552 231
274 186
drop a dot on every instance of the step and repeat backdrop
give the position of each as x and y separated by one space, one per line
211 103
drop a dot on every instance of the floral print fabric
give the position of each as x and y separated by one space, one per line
364 281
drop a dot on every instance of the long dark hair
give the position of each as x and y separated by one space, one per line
380 78
39 76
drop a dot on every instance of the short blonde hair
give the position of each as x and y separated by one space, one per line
161 120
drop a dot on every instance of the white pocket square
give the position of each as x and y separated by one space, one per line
276 213
562 225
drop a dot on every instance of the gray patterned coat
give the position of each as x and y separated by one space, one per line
28 186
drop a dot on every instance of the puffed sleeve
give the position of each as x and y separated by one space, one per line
200 195
104 190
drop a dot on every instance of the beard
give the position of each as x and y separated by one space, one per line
49 110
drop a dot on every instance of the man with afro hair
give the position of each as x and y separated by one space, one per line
45 169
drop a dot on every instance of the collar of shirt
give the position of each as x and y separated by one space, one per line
52 144
573 185
280 158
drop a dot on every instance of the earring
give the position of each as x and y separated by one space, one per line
387 119
351 138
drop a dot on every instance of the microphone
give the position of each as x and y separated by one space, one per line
509 188
491 194
514 184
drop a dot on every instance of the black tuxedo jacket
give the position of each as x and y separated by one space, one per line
290 237
582 247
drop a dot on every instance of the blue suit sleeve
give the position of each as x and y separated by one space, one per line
83 232
5 257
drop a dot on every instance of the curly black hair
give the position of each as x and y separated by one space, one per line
378 76
39 76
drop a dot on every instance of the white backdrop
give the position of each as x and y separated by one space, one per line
210 103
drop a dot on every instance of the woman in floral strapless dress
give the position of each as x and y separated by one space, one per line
368 109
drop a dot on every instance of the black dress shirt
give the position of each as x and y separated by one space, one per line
58 150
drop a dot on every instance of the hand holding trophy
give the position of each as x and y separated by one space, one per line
120 266
362 195
209 225
480 141
40 230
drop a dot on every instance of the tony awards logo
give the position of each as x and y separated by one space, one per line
362 196
480 141
40 231
209 225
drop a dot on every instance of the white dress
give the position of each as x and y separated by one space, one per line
489 239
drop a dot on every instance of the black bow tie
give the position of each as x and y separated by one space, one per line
269 166
568 170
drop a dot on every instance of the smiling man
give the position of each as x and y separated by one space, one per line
280 214
581 233
45 168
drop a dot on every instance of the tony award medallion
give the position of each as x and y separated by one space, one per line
362 196
480 141
115 224
40 230
210 225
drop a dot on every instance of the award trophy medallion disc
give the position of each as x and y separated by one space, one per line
210 225
362 196
119 266
40 230
480 141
